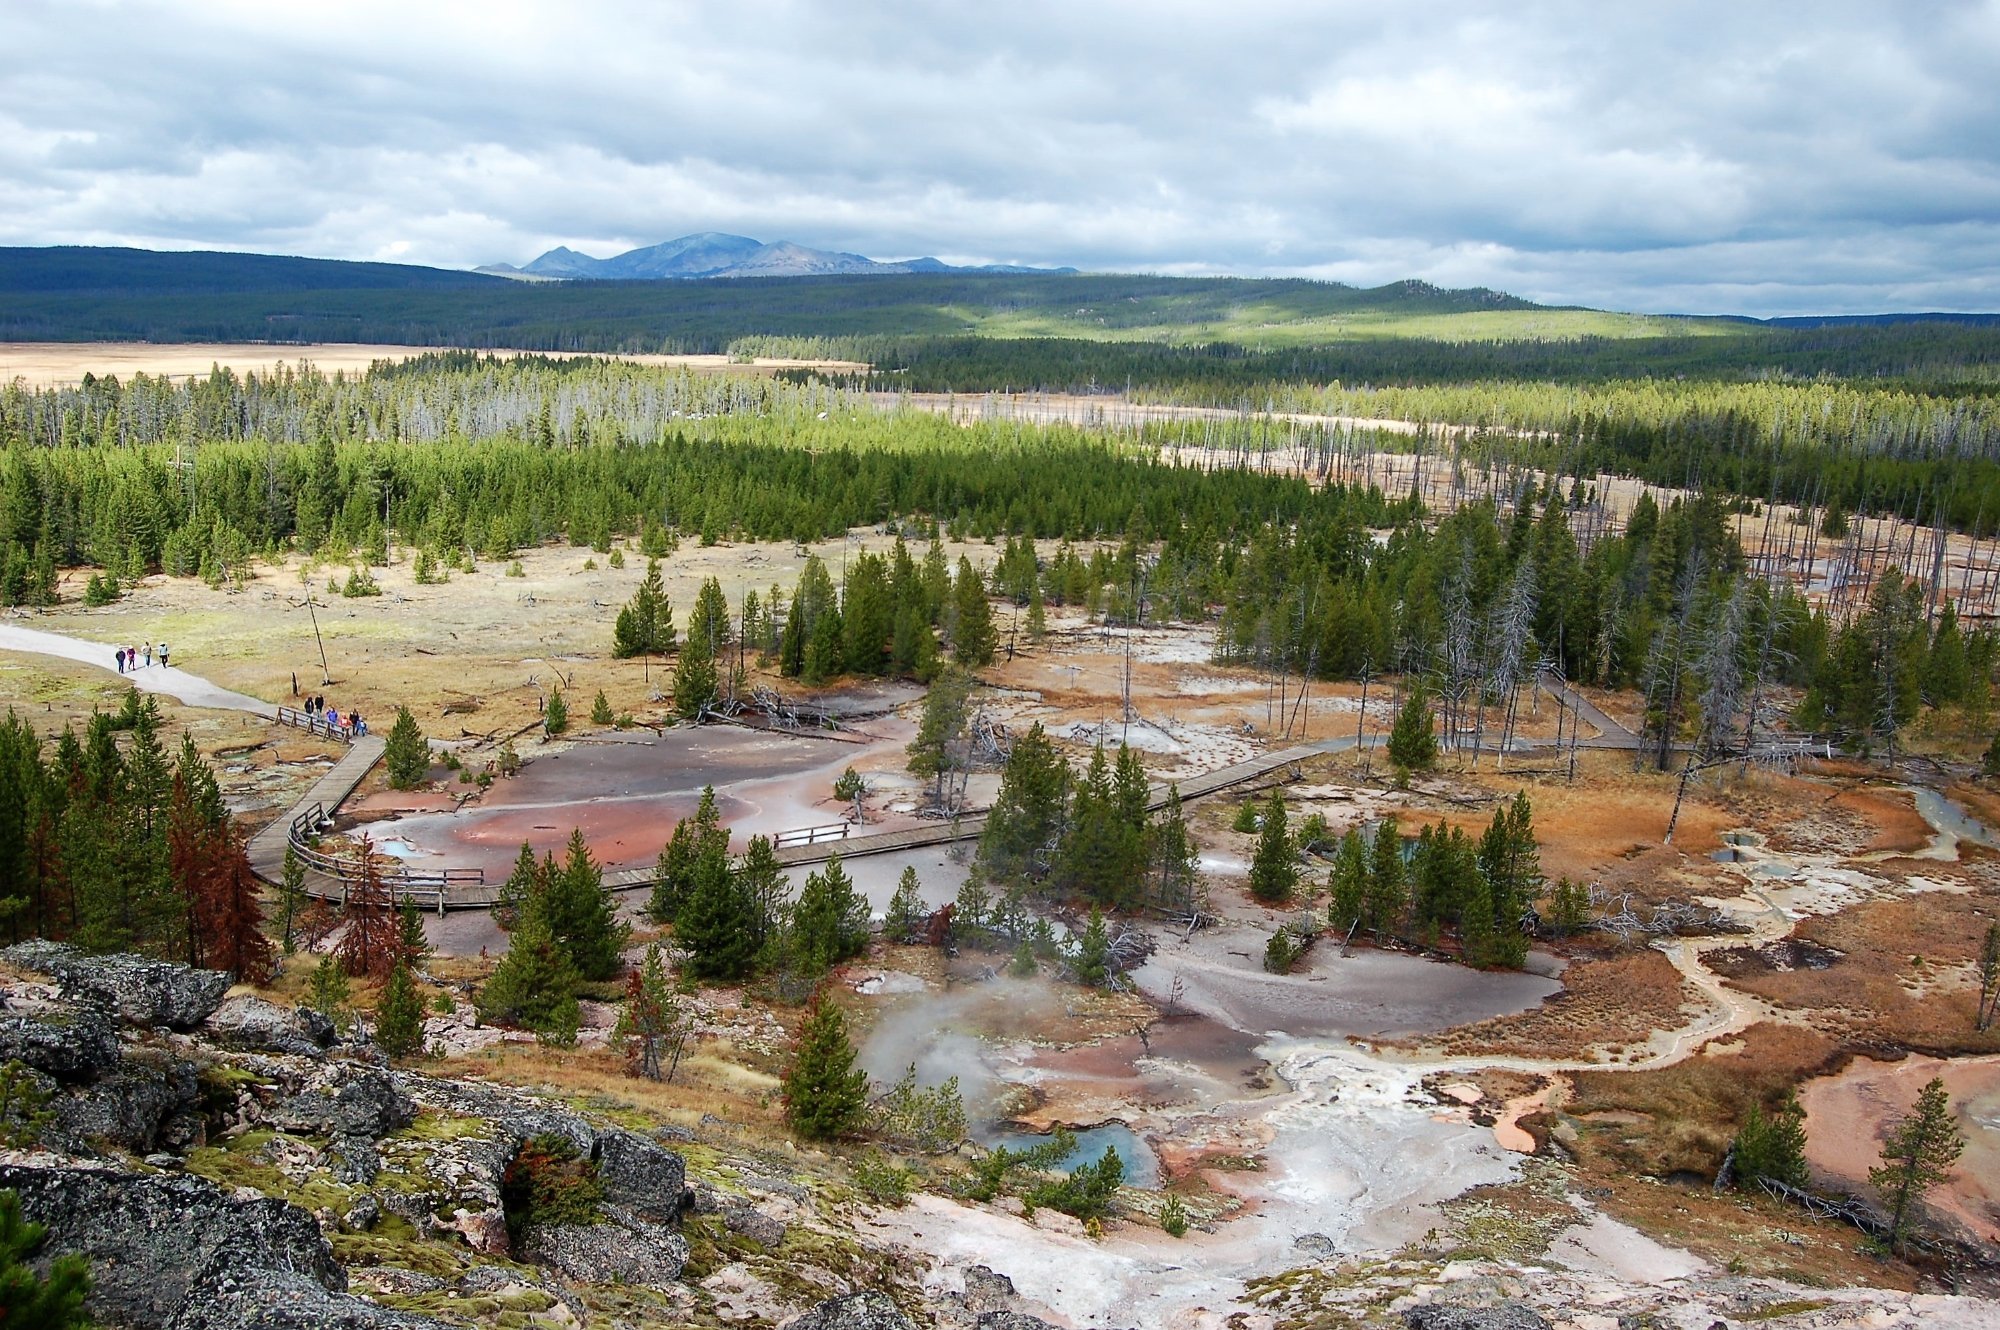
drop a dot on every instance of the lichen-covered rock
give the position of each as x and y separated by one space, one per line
1005 1320
451 1185
640 1176
765 1230
346 1100
258 1026
1445 1316
987 1290
854 1311
514 1116
148 1102
282 1300
72 1044
632 1251
157 1243
142 991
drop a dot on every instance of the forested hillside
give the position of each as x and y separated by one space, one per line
133 295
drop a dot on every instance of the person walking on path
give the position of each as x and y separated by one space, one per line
163 655
121 660
149 654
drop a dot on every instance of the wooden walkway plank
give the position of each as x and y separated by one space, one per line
267 847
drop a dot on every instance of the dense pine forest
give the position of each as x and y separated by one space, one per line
456 457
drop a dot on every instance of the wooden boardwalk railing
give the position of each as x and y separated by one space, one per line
313 724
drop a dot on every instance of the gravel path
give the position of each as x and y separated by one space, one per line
191 690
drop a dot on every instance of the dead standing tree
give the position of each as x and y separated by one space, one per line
1720 668
1457 653
1514 623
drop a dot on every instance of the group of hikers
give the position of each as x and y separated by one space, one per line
129 657
316 707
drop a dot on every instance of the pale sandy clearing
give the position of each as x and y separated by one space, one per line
53 364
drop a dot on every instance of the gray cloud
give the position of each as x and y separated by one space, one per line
1703 156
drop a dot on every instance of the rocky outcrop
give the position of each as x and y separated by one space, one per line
1503 1316
148 1102
146 993
1012 1321
631 1251
640 1176
257 1026
346 1100
854 1311
279 1300
989 1302
645 1184
73 1044
157 1245
353 1105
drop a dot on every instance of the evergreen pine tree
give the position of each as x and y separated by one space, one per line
825 1093
327 989
1100 854
1772 1147
1388 891
913 650
1132 789
973 635
933 752
646 625
720 923
1021 831
291 898
581 916
905 917
708 624
30 1300
1038 622
407 754
830 921
534 986
1176 859
412 946
399 1019
824 657
521 886
1091 955
1413 741
695 682
555 719
600 709
651 1019
691 840
762 880
1917 1155
1947 672
1348 883
1274 869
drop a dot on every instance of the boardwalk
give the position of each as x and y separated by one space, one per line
267 847
466 889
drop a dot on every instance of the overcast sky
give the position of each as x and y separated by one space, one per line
1740 157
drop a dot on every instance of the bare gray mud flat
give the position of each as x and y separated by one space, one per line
1369 994
627 796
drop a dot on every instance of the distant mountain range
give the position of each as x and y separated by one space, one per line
716 254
